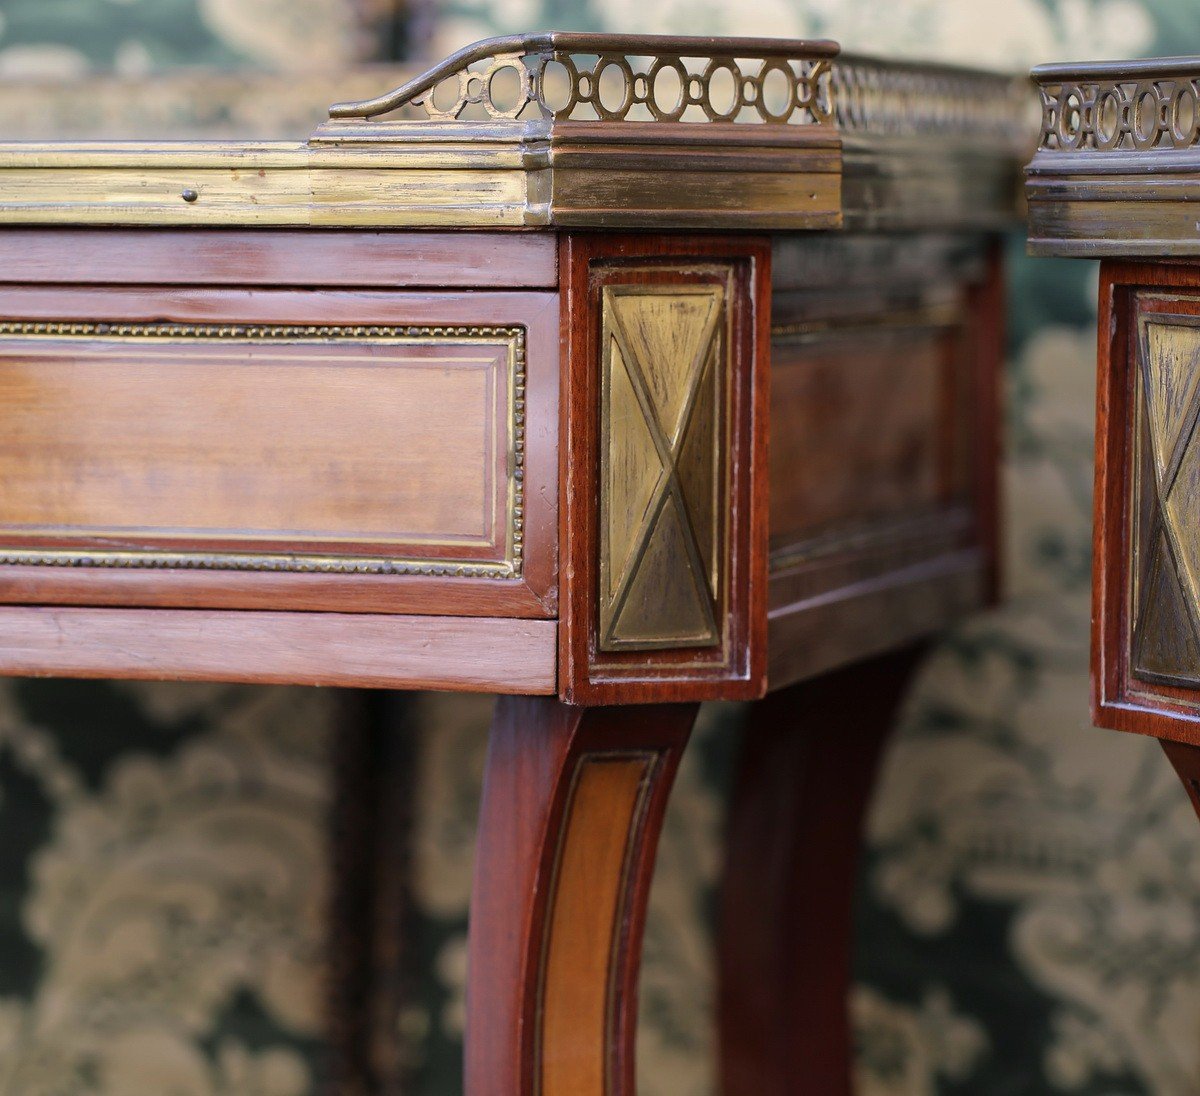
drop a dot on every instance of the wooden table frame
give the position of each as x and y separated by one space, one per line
483 403
1114 178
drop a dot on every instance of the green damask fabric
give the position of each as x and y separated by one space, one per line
1029 916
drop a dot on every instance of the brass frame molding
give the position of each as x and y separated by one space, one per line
583 130
1117 165
96 545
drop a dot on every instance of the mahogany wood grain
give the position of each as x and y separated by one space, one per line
866 618
886 360
734 667
1185 759
573 802
858 427
534 594
808 762
986 338
380 652
280 257
344 445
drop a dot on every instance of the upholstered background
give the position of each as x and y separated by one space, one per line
1030 903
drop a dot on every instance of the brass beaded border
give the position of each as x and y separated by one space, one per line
302 563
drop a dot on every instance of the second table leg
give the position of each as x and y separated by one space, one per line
808 764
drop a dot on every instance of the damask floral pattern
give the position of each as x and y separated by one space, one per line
178 893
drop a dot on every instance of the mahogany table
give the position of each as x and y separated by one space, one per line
1116 177
472 391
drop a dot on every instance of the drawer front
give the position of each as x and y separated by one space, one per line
203 455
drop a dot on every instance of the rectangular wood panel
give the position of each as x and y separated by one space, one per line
885 357
253 447
363 451
860 430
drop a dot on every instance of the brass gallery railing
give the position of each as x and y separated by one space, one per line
1120 106
652 78
612 78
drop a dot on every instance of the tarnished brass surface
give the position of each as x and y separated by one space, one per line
582 131
1119 105
612 77
1166 534
663 465
1117 161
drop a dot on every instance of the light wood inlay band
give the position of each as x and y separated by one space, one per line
583 933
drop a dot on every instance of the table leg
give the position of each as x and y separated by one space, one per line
573 802
808 764
1186 760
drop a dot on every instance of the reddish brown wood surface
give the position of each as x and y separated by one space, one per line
373 651
808 763
868 617
858 432
986 338
282 257
735 667
572 807
886 359
330 445
534 594
1185 759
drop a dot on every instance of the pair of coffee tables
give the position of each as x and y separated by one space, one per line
613 375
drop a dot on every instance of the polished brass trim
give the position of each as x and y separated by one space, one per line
1164 621
301 562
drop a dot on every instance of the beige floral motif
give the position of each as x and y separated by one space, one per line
1123 955
447 789
1015 34
905 1051
179 884
1085 835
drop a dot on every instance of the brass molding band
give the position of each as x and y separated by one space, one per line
1115 170
578 130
